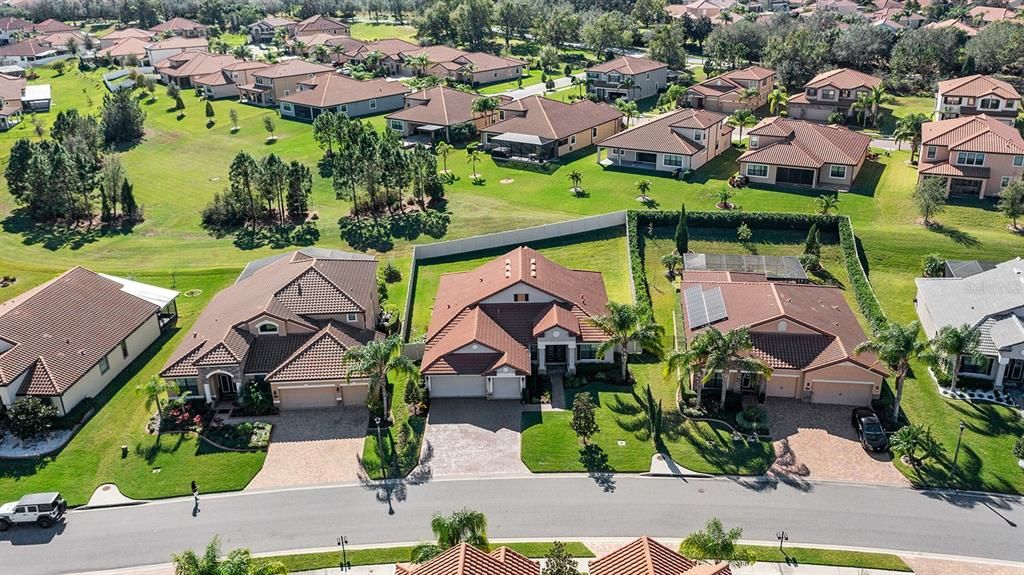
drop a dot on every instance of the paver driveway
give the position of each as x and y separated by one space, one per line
313 447
473 437
817 442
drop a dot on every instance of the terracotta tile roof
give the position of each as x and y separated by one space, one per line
464 559
129 33
807 144
977 86
198 64
644 556
330 283
126 47
973 134
660 135
475 327
291 68
14 23
50 26
992 13
437 53
389 47
440 106
332 89
60 330
821 309
556 316
968 30
30 47
843 79
179 42
628 65
551 119
731 81
11 88
948 169
318 23
484 62
177 24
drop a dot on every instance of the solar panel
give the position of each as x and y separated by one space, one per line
773 267
696 312
715 305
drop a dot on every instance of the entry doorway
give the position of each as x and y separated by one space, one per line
555 354
226 386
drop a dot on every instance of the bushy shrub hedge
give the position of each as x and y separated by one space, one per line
29 417
862 291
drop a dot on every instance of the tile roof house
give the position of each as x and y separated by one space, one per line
333 92
50 25
976 155
65 340
800 153
276 81
977 94
464 559
711 9
181 27
389 49
830 92
982 15
433 112
491 326
805 332
123 51
12 89
952 23
287 320
725 93
118 35
183 69
224 82
627 77
31 52
991 300
320 24
264 31
645 556
545 129
163 49
478 68
11 26
675 142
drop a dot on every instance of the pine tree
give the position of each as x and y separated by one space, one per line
209 112
583 421
128 206
682 232
17 168
812 245
558 561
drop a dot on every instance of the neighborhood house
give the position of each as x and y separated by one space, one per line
542 129
735 90
332 92
276 81
831 92
975 155
683 140
433 113
976 95
627 77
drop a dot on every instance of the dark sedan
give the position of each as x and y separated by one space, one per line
869 430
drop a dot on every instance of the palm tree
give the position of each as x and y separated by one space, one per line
376 360
712 351
778 100
895 345
320 53
747 94
241 52
238 562
576 177
418 63
952 344
878 96
473 157
913 124
644 186
153 389
827 203
628 324
628 109
863 106
741 119
485 105
630 85
903 132
443 149
462 526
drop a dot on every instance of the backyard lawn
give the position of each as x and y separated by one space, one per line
368 31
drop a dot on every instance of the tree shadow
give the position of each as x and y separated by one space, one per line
379 233
277 237
55 236
595 460
163 443
389 491
957 235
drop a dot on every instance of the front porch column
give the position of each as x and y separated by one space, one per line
206 392
540 358
570 356
1000 371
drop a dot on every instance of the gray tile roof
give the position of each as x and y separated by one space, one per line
970 300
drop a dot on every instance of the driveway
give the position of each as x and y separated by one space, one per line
473 437
817 442
313 447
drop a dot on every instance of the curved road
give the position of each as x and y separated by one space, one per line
546 506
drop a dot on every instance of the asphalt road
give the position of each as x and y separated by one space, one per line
548 506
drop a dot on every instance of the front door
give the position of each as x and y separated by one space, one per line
226 385
554 354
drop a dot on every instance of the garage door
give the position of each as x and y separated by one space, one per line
458 386
506 388
307 397
841 393
782 387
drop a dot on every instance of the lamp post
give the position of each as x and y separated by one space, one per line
345 565
956 454
782 536
380 447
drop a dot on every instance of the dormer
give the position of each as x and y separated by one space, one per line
269 327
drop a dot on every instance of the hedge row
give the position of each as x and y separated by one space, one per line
862 290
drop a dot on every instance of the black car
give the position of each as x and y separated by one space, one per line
869 429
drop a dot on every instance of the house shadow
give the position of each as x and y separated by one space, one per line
868 178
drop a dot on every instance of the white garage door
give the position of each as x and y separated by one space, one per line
781 387
307 397
458 386
841 393
506 388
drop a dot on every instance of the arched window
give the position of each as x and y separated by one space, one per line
267 327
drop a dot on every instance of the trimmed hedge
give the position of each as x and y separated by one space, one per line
862 290
636 260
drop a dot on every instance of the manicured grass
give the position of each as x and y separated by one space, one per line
408 459
834 557
371 31
603 251
904 106
385 555
530 78
155 466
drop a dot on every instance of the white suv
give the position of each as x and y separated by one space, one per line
43 509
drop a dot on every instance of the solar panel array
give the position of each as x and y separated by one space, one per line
703 307
773 267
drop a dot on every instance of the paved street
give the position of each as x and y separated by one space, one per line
548 506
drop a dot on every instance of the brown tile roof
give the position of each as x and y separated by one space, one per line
318 23
11 88
176 24
821 309
660 135
198 64
14 23
299 287
843 79
464 559
628 65
277 21
50 26
291 68
440 106
126 47
992 13
331 89
973 134
552 119
968 30
321 357
388 47
731 81
645 556
977 86
484 62
806 144
129 33
179 42
30 47
437 53
60 330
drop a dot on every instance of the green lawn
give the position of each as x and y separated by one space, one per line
386 555
370 31
836 557
407 459
904 106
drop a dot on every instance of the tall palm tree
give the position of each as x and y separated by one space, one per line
485 106
376 360
712 351
913 124
863 106
895 345
628 324
827 203
952 344
778 100
418 63
473 156
153 390
742 118
443 149
630 85
462 526
628 109
878 96
903 132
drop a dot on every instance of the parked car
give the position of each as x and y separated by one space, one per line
869 429
43 509
501 152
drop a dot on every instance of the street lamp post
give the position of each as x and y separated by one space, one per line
956 454
782 536
380 447
345 565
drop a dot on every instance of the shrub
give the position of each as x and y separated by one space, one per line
247 435
1018 449
934 266
29 417
255 399
460 133
837 118
810 262
743 233
390 272
752 418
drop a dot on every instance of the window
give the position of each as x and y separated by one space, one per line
351 318
587 351
563 142
189 384
343 108
501 115
988 104
287 92
267 328
124 349
812 91
521 297
930 154
828 94
593 133
970 159
373 104
104 365
837 172
844 93
672 160
1018 161
495 74
286 107
648 76
1004 181
572 140
754 141
953 101
397 125
757 170
971 365
533 353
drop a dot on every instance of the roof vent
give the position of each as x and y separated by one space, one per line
67 340
195 334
